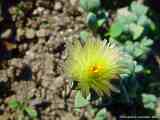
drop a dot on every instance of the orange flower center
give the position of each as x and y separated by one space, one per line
95 69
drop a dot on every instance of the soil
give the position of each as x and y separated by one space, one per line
40 30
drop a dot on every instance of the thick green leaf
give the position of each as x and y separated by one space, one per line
100 22
147 98
92 20
90 5
84 35
102 16
31 112
116 29
127 19
146 42
92 110
139 9
130 63
138 68
149 101
151 106
145 21
129 46
102 115
136 30
80 101
152 25
14 104
138 51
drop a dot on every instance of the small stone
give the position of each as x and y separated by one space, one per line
46 12
124 12
10 72
1 18
58 6
6 34
18 63
4 77
58 83
42 33
34 24
13 10
30 33
23 47
39 10
64 55
20 32
73 2
45 83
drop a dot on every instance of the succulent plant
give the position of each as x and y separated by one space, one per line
94 65
90 5
149 101
132 30
20 106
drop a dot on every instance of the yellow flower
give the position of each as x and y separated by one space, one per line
94 66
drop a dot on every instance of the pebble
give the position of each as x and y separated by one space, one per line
58 6
4 77
45 83
23 47
41 33
20 33
58 82
73 2
6 34
39 10
30 33
16 63
46 12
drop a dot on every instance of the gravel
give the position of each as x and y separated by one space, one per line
35 69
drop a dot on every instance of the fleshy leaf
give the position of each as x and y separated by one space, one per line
80 101
116 29
129 47
31 112
138 68
137 50
138 9
14 104
92 20
149 101
136 30
127 19
100 22
90 5
102 115
147 42
84 35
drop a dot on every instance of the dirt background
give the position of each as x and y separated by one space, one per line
41 30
